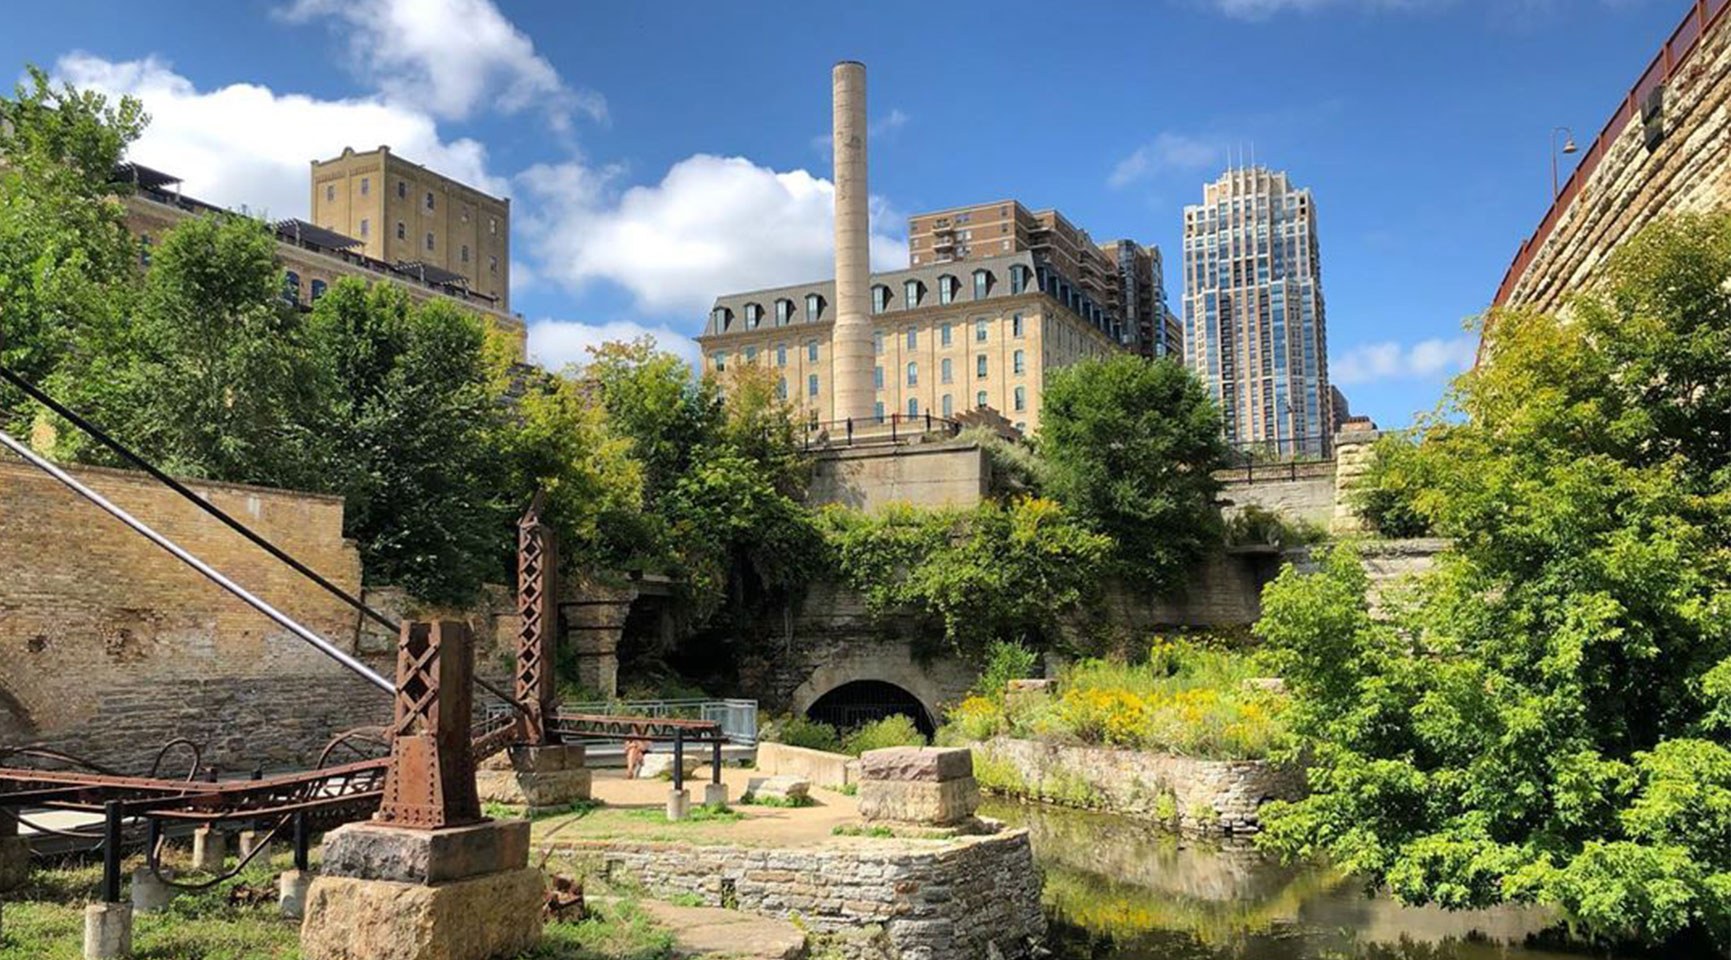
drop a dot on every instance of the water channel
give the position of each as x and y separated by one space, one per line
1120 889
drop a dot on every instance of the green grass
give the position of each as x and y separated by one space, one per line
860 830
618 930
580 808
695 815
753 800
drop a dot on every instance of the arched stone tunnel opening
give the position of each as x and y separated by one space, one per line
860 702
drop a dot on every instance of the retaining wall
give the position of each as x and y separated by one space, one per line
822 768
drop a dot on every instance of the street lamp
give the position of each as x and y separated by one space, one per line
1568 147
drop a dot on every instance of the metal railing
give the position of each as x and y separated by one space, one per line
738 718
1703 16
848 432
1287 450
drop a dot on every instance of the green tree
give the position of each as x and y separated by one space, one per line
1542 718
1132 447
67 264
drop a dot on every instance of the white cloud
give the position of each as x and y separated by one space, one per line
556 344
1167 152
449 57
1368 362
713 225
246 145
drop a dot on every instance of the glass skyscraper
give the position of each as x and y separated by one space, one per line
1254 323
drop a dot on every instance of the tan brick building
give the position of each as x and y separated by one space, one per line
947 337
1124 279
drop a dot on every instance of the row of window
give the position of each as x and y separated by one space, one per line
946 403
946 333
913 293
291 289
403 193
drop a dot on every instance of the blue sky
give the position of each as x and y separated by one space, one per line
658 154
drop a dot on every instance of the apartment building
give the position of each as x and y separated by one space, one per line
947 338
1255 326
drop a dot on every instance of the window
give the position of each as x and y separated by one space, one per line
366 227
813 308
402 189
877 341
878 409
980 399
980 330
330 193
1021 398
880 298
913 339
878 377
781 389
944 334
911 293
946 288
1019 278
493 226
753 315
493 265
982 283
465 214
318 289
402 231
946 371
781 355
721 318
429 199
913 374
1016 362
429 241
720 361
1016 325
913 407
465 253
291 287
144 250
783 312
811 385
949 407
980 366
811 351
750 354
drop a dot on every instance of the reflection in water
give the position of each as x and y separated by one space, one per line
1120 889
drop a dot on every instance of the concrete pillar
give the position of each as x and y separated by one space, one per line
250 839
1353 444
292 889
14 862
209 849
149 894
107 931
851 355
715 794
678 804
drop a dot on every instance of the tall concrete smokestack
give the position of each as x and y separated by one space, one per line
851 339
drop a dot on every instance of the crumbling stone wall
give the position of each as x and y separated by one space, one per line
935 900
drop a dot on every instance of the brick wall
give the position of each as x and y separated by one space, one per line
109 646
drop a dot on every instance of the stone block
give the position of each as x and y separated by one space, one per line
538 759
949 802
715 794
291 890
150 895
480 918
251 840
107 931
537 791
14 862
209 850
661 765
917 764
791 789
678 804
370 851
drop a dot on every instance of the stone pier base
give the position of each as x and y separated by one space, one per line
254 839
292 889
388 893
150 895
924 785
14 862
540 779
107 931
678 804
715 794
209 850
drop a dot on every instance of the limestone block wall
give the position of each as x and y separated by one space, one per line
1631 185
1299 490
935 474
109 647
935 900
1207 796
822 768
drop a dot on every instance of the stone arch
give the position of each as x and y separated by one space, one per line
891 664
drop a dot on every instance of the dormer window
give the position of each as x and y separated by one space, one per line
813 307
880 298
753 315
982 283
911 293
1019 278
721 318
947 288
783 312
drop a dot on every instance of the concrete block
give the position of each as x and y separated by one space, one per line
14 862
661 765
252 839
538 759
951 801
791 789
715 794
292 889
678 804
371 851
820 767
209 850
920 764
107 931
480 918
150 895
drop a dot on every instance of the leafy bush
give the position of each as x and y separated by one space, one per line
1005 661
1387 495
895 730
797 731
976 718
1256 526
